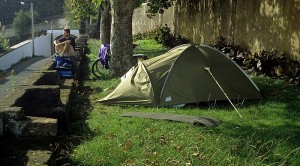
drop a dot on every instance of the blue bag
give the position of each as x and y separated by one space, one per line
63 65
63 62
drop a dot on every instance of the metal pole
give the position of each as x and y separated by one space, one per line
52 52
32 29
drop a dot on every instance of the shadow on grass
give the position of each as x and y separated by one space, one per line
266 139
281 92
266 143
260 137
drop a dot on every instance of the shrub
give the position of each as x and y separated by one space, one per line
144 35
272 63
163 35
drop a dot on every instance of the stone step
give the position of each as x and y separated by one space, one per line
38 157
27 151
31 126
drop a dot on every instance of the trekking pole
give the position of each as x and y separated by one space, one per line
208 69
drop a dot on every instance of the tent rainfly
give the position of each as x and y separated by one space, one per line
185 74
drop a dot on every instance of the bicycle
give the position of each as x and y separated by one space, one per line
100 68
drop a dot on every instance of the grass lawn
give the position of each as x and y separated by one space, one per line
268 133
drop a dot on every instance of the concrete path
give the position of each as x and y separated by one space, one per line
19 73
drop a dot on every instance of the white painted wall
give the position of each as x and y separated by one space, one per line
42 47
20 51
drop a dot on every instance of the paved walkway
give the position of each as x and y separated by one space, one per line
20 72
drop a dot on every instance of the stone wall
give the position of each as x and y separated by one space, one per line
256 24
263 24
141 23
203 21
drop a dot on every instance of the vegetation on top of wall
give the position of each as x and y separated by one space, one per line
4 43
272 63
163 35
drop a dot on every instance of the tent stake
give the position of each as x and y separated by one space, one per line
208 69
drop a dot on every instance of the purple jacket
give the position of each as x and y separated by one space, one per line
103 55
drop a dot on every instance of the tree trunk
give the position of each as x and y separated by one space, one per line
105 26
82 29
97 33
121 36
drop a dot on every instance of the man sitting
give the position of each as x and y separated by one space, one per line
66 45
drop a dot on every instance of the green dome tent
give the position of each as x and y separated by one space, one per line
185 74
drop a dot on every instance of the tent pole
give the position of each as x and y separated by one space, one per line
208 69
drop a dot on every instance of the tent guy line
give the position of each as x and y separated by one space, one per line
208 69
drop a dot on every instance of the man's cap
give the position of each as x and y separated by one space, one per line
66 27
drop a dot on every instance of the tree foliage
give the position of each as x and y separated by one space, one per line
78 10
82 9
22 22
158 6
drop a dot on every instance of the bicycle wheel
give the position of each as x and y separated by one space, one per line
98 70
